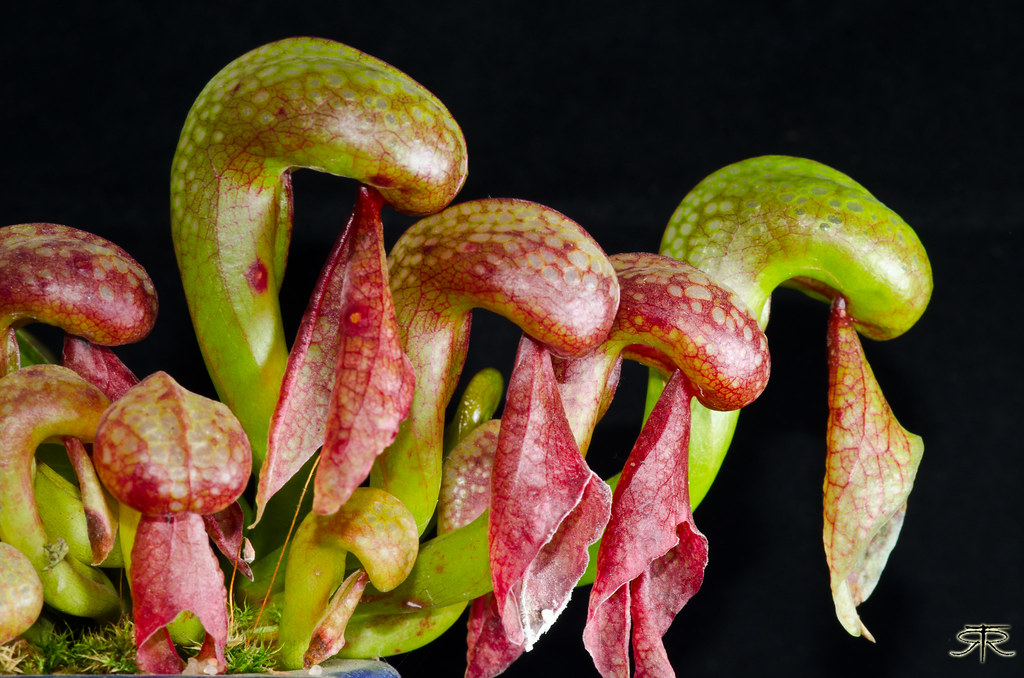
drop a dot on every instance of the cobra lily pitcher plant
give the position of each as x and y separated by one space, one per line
325 488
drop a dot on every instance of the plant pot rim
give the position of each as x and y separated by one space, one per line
333 668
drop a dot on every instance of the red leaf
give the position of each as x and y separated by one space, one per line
547 506
174 569
98 365
373 379
651 559
872 462
329 636
225 529
300 417
489 651
660 593
101 367
348 384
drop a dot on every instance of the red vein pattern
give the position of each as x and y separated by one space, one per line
176 571
547 506
872 462
652 557
348 384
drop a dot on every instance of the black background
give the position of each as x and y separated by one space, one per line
611 112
